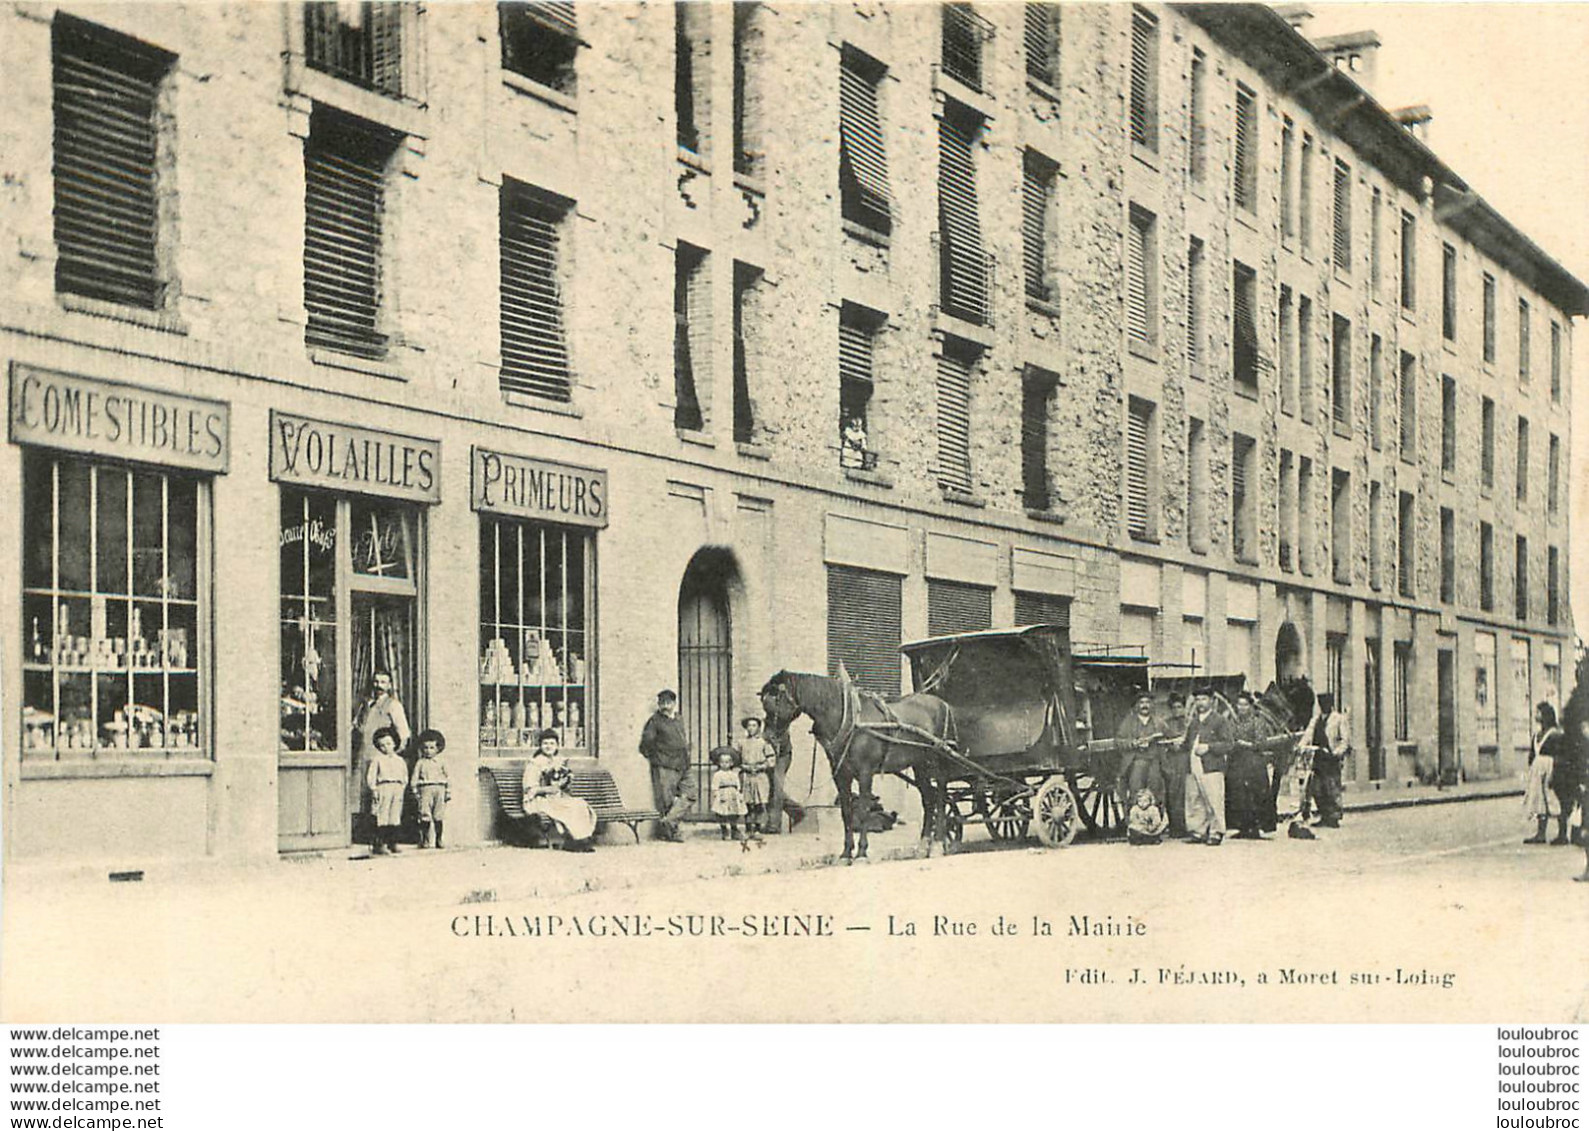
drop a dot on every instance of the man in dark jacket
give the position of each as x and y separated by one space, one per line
665 745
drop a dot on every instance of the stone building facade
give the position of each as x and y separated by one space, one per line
550 355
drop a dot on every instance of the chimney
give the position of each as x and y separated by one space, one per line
1415 120
1294 14
1353 52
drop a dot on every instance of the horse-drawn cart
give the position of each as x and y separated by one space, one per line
1026 708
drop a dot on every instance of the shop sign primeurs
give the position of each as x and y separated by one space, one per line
344 457
107 418
538 488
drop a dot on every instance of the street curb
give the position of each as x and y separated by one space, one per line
1427 799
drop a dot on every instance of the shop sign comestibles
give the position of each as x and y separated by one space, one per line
538 489
345 457
107 418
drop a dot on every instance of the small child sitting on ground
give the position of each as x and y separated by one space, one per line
1146 822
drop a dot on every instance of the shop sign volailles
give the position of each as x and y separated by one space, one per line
538 488
345 457
108 418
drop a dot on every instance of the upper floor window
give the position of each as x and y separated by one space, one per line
692 337
1555 362
1489 317
747 300
1487 442
362 43
1198 112
1244 328
540 42
109 204
1409 261
1195 287
1288 198
863 157
1522 339
1042 44
748 94
1409 406
1141 468
963 34
1038 391
1406 545
858 331
1448 425
1448 292
1037 224
534 347
964 268
692 75
1244 165
345 168
957 365
1243 497
1341 373
1142 277
1305 194
1143 105
1343 217
1376 237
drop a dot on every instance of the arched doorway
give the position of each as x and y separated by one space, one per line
706 659
1288 653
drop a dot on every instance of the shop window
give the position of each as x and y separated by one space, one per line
1485 702
108 214
535 635
540 42
309 623
1401 702
114 618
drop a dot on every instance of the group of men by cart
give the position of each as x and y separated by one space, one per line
1212 772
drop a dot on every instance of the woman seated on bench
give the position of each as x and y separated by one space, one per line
564 822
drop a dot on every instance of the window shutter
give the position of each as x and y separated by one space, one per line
1243 179
954 607
1042 608
1136 281
864 624
534 350
1034 227
954 422
963 267
855 353
1194 303
560 17
863 159
106 214
386 40
1035 393
1141 67
1137 471
1042 43
962 44
688 264
1245 326
1343 217
344 196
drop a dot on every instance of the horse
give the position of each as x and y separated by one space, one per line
904 736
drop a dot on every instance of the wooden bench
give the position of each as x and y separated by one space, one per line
591 784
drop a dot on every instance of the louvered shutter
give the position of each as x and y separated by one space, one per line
1240 450
963 265
386 43
863 160
344 196
1243 179
687 406
1034 227
1035 393
954 607
106 213
954 422
962 45
1137 280
855 353
1194 304
560 17
1042 43
1042 608
1137 471
1142 32
534 349
864 627
1343 217
1245 328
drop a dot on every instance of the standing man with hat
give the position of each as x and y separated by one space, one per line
1208 744
666 746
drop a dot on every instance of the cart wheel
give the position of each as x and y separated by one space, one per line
1100 809
954 824
1010 819
1056 813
